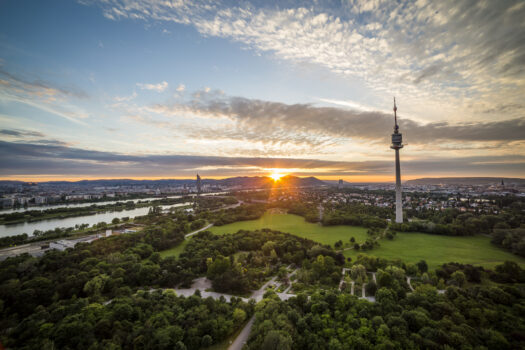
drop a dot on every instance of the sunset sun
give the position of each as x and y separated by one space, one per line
276 176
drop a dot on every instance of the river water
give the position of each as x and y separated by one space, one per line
80 205
44 225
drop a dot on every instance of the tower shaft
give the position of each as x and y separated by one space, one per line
399 204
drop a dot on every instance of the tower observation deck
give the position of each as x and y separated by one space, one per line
397 144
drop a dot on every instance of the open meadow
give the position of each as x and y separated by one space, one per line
296 225
412 247
409 247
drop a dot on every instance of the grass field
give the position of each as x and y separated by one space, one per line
298 226
436 250
175 251
409 247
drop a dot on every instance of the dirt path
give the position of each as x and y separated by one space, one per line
409 285
199 230
242 338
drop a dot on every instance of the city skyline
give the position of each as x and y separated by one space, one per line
150 89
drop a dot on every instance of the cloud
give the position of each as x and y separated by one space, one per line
315 125
452 53
42 95
160 87
125 98
36 159
181 88
20 133
24 136
39 87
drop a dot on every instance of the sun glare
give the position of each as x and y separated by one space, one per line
276 176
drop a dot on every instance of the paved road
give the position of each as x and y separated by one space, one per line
242 338
199 230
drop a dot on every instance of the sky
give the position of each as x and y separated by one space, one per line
155 89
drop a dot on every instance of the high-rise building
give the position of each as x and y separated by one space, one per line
397 144
340 184
198 184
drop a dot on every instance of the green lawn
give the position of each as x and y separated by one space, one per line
409 247
298 226
175 251
436 250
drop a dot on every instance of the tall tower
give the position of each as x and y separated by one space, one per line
397 144
198 184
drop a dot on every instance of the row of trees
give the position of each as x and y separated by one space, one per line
240 213
512 239
356 215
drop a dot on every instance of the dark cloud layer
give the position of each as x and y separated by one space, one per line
32 159
20 133
274 116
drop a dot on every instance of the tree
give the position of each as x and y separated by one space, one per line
239 315
218 266
358 273
276 340
422 266
206 341
458 278
96 285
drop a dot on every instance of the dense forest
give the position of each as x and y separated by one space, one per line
479 317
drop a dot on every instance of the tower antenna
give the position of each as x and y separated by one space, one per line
396 127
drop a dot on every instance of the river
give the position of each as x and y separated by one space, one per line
44 225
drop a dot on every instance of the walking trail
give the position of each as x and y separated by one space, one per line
242 338
408 282
199 230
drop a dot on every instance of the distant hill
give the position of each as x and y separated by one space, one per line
465 181
243 181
